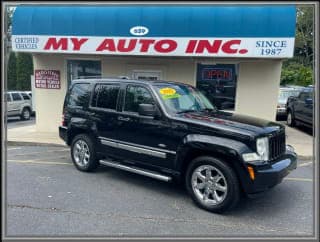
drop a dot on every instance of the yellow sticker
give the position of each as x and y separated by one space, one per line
167 91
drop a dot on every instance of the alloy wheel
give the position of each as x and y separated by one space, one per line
209 185
81 153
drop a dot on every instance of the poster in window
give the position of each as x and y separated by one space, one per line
47 79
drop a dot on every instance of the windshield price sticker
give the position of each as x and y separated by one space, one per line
176 95
168 93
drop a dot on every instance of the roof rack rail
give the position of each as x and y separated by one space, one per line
102 77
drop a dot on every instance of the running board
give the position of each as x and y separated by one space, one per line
136 170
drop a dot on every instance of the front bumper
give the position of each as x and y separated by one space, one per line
267 176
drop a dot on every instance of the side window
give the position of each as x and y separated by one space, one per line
79 94
136 95
105 96
16 96
8 97
25 96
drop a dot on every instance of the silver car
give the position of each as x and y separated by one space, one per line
19 103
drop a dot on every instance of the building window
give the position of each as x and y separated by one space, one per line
77 69
218 83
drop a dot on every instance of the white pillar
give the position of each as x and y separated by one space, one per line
258 88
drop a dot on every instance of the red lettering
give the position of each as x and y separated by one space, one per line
121 45
191 46
160 46
107 44
52 42
205 44
226 47
145 44
78 42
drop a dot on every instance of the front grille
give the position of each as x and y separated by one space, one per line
277 145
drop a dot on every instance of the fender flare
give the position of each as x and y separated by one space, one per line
225 147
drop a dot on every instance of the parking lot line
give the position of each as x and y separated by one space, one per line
305 164
15 148
34 153
40 162
298 179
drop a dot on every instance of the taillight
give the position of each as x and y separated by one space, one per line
63 123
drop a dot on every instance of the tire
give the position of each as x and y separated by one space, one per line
229 181
25 114
290 119
83 153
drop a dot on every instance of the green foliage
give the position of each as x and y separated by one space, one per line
12 72
297 74
299 69
24 71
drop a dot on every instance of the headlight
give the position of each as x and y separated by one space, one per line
263 148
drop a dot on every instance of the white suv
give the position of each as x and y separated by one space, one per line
19 104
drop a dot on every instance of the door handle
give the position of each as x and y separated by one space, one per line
123 119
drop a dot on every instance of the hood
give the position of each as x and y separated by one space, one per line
238 123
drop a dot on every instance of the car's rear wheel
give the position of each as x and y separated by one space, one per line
25 115
212 184
290 119
83 153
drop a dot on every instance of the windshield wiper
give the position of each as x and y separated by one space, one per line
187 111
208 109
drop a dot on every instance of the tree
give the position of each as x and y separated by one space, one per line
24 71
304 35
12 72
299 69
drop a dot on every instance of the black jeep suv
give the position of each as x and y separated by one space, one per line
170 131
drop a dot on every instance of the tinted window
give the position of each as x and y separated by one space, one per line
79 95
25 96
16 96
136 95
8 97
105 96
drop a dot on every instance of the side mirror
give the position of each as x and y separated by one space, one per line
308 101
147 109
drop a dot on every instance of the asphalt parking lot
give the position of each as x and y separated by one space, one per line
47 196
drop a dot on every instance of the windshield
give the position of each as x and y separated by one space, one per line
284 94
179 98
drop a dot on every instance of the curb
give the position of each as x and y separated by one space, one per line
305 157
26 143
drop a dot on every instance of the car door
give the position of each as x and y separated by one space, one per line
299 106
308 109
17 102
10 105
144 139
103 112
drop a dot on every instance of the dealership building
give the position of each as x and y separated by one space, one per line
233 53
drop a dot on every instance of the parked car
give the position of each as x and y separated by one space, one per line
300 109
19 104
284 94
171 132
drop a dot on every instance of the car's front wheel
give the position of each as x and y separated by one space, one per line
212 184
83 153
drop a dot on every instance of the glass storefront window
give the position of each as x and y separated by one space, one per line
83 68
218 83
